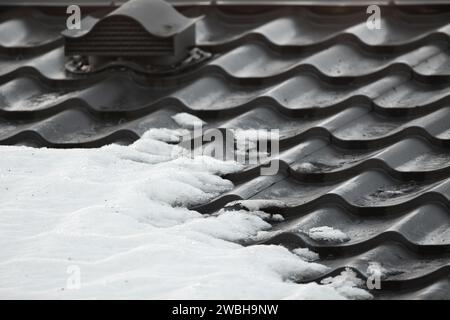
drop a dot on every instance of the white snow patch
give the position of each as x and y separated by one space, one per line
166 135
250 134
230 225
187 120
375 269
306 254
118 214
257 204
306 167
268 216
328 234
257 207
247 142
349 285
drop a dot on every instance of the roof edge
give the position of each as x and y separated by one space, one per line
180 3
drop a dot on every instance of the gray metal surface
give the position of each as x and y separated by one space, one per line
230 2
364 118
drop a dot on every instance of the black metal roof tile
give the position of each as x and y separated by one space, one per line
405 266
304 27
24 28
368 191
363 117
434 291
353 127
426 225
285 28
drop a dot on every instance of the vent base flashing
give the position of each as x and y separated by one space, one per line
88 65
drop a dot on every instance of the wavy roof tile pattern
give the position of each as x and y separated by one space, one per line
364 119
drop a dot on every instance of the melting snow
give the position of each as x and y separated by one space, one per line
166 135
187 120
247 142
328 234
376 269
307 167
349 285
257 207
117 216
253 205
306 254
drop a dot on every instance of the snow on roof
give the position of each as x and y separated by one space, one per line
118 215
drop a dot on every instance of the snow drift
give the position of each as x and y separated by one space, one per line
118 215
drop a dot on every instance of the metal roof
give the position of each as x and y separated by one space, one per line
367 110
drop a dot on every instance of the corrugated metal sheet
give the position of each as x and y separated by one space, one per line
364 120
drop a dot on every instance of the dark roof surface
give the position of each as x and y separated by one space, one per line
230 2
364 118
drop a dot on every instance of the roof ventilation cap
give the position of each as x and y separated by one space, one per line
148 34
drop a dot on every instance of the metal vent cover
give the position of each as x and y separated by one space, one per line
147 32
119 37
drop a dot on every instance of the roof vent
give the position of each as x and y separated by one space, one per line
145 34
